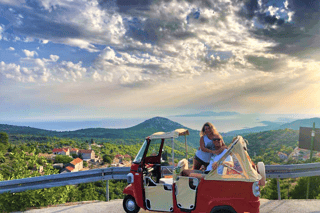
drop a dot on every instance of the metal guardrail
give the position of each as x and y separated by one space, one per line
120 173
293 170
48 181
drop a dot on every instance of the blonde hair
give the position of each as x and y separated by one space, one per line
213 129
211 126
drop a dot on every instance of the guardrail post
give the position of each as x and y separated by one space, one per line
311 152
107 191
278 187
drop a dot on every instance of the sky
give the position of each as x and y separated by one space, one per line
87 59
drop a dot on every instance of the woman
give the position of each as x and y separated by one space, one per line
208 134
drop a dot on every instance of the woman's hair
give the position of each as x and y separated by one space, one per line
213 129
210 125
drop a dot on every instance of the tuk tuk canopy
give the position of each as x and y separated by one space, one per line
167 135
247 174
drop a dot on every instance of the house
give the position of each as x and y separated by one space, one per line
118 158
75 165
87 154
127 156
62 151
74 151
282 156
47 156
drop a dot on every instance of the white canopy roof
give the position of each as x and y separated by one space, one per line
166 135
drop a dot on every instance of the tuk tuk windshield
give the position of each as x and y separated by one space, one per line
140 153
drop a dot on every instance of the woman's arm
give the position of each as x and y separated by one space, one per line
202 147
218 151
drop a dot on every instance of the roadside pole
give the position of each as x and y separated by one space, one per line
185 141
278 187
311 153
172 152
107 191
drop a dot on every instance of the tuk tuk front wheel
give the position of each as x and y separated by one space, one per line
130 205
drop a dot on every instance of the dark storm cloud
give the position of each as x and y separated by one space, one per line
39 24
48 29
249 9
155 30
298 37
266 64
125 5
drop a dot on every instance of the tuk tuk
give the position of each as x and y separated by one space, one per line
230 189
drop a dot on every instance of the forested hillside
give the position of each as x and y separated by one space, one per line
127 136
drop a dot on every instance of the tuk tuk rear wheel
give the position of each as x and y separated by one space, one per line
130 205
223 209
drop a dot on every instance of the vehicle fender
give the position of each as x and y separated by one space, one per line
128 190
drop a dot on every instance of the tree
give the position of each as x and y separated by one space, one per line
4 138
85 164
2 158
299 191
270 191
4 141
107 158
63 159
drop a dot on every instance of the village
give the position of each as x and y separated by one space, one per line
83 159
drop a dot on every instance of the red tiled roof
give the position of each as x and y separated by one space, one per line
74 149
70 168
127 156
118 156
75 161
85 151
60 150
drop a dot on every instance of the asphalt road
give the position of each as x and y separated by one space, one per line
115 206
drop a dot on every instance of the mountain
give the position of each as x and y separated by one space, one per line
275 139
269 126
140 131
209 113
295 125
302 123
12 129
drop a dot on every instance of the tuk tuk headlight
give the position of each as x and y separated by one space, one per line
130 178
256 189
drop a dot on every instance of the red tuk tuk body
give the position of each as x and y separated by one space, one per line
229 192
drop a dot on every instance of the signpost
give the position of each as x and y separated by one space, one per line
305 135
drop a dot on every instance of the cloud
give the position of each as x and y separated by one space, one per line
239 55
11 49
13 2
1 31
30 54
43 70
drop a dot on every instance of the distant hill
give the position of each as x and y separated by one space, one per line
301 123
139 131
268 126
259 142
295 125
